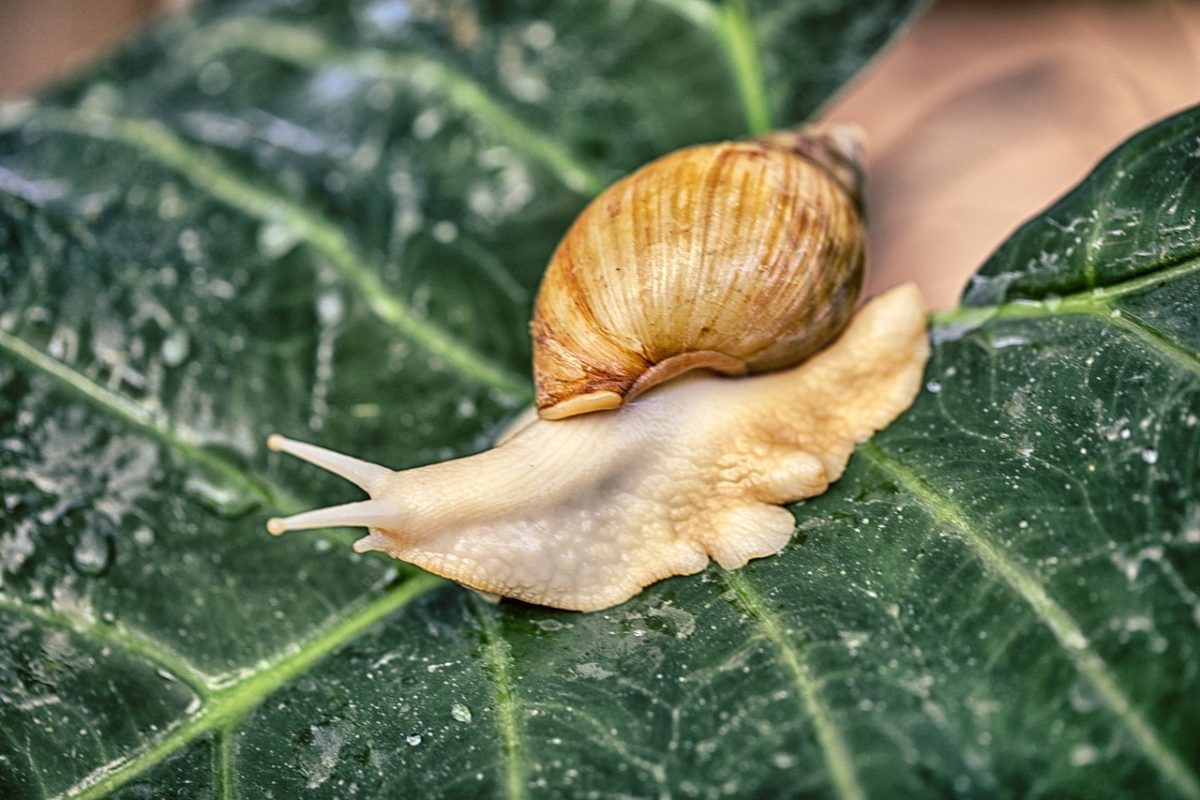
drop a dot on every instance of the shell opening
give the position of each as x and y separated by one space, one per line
677 365
581 404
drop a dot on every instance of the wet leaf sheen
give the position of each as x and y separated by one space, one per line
329 219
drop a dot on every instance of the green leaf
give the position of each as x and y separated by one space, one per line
330 222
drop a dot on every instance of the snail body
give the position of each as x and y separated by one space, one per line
729 258
735 257
582 513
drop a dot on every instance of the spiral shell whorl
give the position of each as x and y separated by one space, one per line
737 256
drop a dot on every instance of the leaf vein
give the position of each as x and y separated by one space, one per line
498 663
730 25
741 51
140 418
839 762
1056 618
225 708
1183 356
211 175
1081 302
305 48
224 757
124 638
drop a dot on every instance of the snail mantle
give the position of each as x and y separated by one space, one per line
582 513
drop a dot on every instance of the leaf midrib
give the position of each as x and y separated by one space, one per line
1099 300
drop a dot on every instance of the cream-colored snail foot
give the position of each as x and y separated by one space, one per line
582 513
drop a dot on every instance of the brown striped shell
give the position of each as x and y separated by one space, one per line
737 257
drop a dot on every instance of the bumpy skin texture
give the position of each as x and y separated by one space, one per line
583 513
736 256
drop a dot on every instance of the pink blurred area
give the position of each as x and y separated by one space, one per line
978 116
43 39
985 112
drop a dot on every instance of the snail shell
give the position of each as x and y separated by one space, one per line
737 257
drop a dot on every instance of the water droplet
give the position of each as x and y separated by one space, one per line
189 244
445 231
1002 342
175 347
591 670
550 624
214 78
93 552
427 123
413 739
275 239
783 760
170 202
461 713
539 35
465 408
230 502
380 96
330 308
1150 456
854 640
1075 640
933 387
1083 754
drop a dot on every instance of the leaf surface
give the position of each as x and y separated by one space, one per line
329 221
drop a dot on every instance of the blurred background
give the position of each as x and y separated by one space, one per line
42 39
982 114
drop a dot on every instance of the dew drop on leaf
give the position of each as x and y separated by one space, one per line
276 239
93 552
226 500
175 347
1083 754
461 713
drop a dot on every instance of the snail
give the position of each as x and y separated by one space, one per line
653 448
